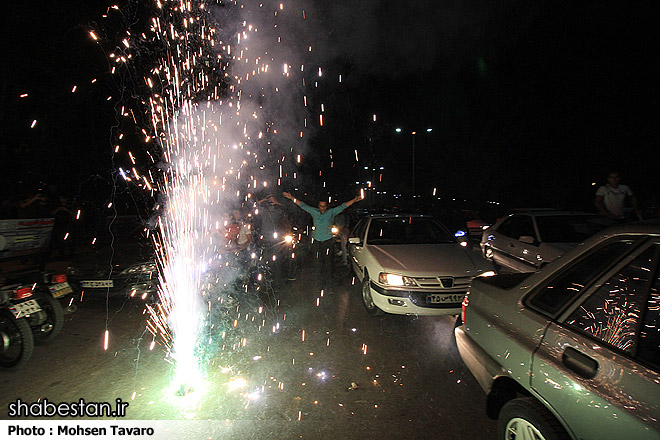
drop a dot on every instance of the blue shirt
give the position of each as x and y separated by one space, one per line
322 222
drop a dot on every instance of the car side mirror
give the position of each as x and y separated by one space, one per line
527 239
354 240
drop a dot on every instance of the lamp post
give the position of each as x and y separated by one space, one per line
413 134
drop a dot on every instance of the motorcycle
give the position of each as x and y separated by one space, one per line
30 293
16 340
59 287
39 305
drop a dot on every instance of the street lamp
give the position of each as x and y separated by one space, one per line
413 133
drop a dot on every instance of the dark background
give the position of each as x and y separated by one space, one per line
536 102
531 103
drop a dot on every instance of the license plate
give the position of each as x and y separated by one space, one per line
60 289
25 308
97 284
444 298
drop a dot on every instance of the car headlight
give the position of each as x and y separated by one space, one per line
395 280
288 238
488 273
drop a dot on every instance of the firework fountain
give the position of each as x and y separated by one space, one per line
217 105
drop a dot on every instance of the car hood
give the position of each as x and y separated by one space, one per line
429 259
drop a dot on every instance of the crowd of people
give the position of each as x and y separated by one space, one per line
271 228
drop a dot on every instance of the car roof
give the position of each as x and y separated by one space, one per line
399 215
643 227
550 212
516 210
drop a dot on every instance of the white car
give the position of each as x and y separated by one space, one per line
526 241
412 265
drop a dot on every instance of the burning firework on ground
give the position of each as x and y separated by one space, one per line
216 81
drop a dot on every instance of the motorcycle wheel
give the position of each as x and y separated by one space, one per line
16 341
52 326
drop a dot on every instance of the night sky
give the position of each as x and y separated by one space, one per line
530 102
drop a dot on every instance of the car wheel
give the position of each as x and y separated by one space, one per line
52 325
367 299
526 418
16 340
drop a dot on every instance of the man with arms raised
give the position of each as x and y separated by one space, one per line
323 244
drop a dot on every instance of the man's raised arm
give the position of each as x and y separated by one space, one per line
290 197
353 200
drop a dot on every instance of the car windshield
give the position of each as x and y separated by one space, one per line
569 228
408 230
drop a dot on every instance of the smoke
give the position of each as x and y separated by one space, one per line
396 39
242 99
287 58
223 142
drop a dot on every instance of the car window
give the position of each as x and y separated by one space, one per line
507 227
516 226
612 314
525 226
408 230
649 340
570 282
569 228
358 231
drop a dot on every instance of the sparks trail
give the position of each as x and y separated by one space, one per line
204 121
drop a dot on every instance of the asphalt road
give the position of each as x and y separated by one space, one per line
293 364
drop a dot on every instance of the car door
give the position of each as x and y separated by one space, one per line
598 363
499 239
507 248
356 249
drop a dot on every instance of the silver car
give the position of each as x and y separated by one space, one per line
412 265
526 241
573 350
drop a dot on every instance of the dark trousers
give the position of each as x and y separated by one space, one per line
324 252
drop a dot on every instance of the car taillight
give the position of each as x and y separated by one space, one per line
58 278
464 305
23 292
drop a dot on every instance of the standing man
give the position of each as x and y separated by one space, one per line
610 198
323 237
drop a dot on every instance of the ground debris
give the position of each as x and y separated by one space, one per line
184 390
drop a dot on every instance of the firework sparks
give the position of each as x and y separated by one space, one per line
216 124
200 91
